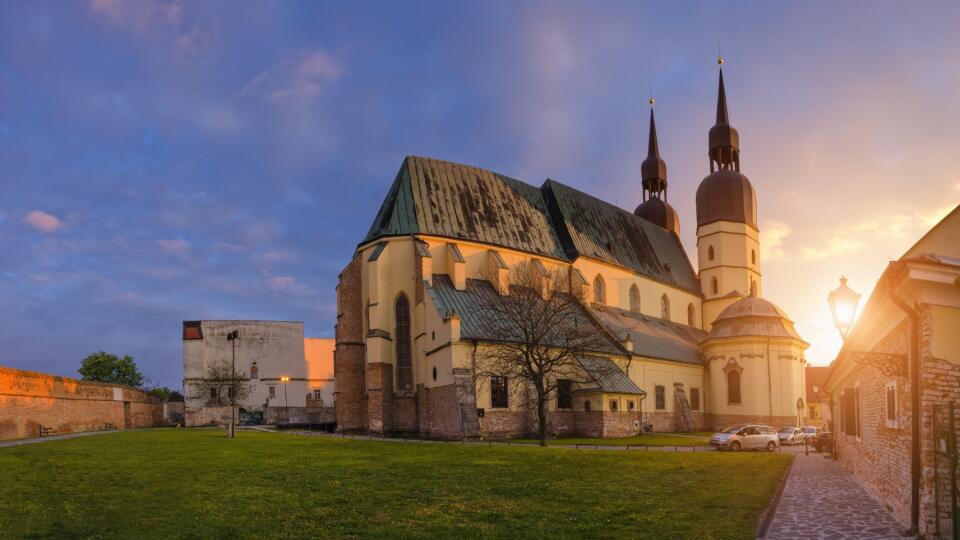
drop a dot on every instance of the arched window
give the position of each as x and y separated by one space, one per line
254 371
714 286
733 386
402 343
753 287
599 290
753 256
664 308
691 314
634 299
710 253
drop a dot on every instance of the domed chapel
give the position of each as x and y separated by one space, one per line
680 348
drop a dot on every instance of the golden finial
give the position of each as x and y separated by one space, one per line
651 100
719 60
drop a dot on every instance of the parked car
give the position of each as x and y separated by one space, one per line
823 441
790 436
746 437
809 432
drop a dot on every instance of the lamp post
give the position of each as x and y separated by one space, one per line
286 405
843 306
232 337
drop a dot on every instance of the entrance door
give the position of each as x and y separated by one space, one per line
127 420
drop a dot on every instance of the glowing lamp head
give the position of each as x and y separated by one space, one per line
284 378
843 306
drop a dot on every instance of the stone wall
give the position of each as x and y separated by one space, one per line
350 353
29 400
439 416
505 424
621 424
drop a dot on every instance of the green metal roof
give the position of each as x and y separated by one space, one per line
457 201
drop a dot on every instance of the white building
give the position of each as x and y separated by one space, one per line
291 377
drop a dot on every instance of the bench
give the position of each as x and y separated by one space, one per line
44 431
109 427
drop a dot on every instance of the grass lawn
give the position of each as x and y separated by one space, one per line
197 483
696 438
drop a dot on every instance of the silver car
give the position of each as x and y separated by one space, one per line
746 437
790 436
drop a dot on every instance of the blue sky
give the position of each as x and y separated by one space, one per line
162 161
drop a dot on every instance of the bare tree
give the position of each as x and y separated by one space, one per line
542 334
222 386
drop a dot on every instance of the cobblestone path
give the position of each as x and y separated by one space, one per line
823 501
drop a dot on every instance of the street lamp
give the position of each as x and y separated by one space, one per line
843 306
232 337
286 405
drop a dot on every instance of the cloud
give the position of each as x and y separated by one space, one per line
834 245
42 221
137 16
296 79
219 120
177 245
281 283
771 239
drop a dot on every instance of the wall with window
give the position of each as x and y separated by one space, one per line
728 258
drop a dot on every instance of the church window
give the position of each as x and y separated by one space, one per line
599 290
753 256
634 299
254 371
695 399
564 394
733 387
753 287
665 308
661 395
691 314
613 405
710 253
402 344
714 286
499 397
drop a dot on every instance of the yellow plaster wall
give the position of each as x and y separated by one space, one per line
648 373
946 333
732 266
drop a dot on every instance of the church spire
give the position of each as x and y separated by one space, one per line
724 139
653 171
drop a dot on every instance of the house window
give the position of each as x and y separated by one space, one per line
695 399
599 291
613 405
586 405
402 335
714 286
272 391
317 393
564 394
891 404
634 299
849 412
498 393
229 392
631 405
691 314
665 308
710 253
733 387
254 371
213 393
813 412
661 394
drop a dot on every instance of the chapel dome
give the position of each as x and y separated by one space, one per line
753 316
659 213
726 195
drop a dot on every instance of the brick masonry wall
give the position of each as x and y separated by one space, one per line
350 353
880 458
439 415
504 424
29 400
380 412
621 424
562 423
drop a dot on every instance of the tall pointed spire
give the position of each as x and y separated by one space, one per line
724 139
653 171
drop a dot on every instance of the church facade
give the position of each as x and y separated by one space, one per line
692 348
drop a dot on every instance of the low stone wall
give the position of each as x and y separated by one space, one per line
29 400
718 421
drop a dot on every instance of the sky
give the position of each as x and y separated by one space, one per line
163 161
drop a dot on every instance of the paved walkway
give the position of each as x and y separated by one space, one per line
821 500
49 438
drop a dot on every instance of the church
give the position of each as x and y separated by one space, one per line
694 348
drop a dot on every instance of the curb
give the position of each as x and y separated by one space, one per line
766 518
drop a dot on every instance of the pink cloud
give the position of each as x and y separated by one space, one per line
177 245
42 221
139 15
296 79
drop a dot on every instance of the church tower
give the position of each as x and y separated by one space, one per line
653 172
728 240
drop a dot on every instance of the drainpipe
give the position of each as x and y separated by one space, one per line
914 360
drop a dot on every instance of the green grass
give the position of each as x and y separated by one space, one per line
197 483
696 438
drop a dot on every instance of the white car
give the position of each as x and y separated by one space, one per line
809 432
746 437
790 436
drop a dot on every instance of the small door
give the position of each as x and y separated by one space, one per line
127 416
